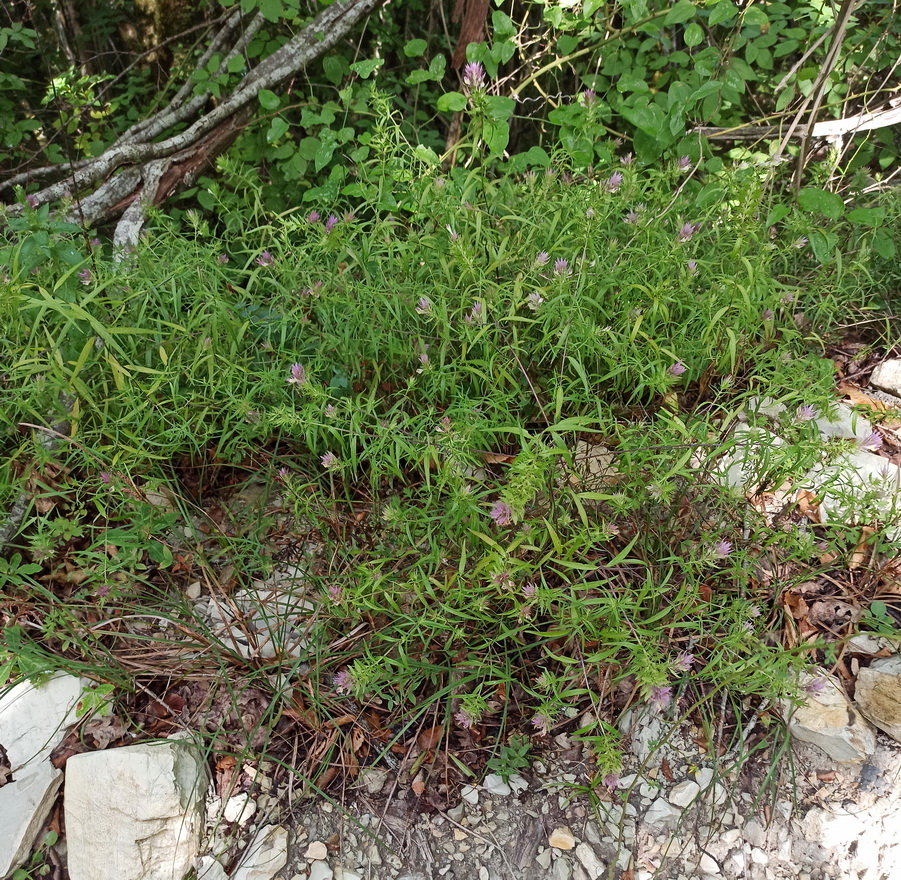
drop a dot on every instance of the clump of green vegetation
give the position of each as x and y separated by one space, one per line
495 406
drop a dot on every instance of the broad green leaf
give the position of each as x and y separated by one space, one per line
438 65
566 43
814 200
415 48
415 77
722 12
365 69
694 35
754 15
268 100
272 10
236 64
502 24
277 128
589 7
867 216
499 107
451 101
683 11
823 245
496 135
777 214
883 244
333 69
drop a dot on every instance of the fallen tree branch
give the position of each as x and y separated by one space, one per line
131 169
831 128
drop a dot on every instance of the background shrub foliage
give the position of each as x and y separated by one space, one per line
656 70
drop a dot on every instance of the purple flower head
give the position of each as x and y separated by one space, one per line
85 276
722 549
103 590
529 590
503 579
534 300
424 306
800 242
350 216
542 723
631 217
464 719
806 413
684 163
313 217
661 694
567 178
331 223
561 266
424 358
688 230
265 259
873 442
335 592
614 182
330 410
344 682
473 77
692 267
542 258
685 661
815 686
475 314
611 781
298 375
628 159
589 213
32 200
589 96
222 259
454 235
330 461
502 513
767 315
105 477
677 369
283 474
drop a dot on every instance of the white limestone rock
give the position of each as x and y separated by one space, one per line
134 813
856 487
494 784
268 854
593 866
662 814
684 793
878 695
887 377
829 721
846 424
33 720
751 461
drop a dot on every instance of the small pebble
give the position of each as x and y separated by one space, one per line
562 838
316 851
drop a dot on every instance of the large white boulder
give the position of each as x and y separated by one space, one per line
828 720
33 720
135 813
887 377
878 694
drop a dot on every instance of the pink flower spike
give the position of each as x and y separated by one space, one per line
464 719
331 223
873 442
677 369
298 375
661 695
32 200
265 259
542 723
330 461
502 513
344 682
